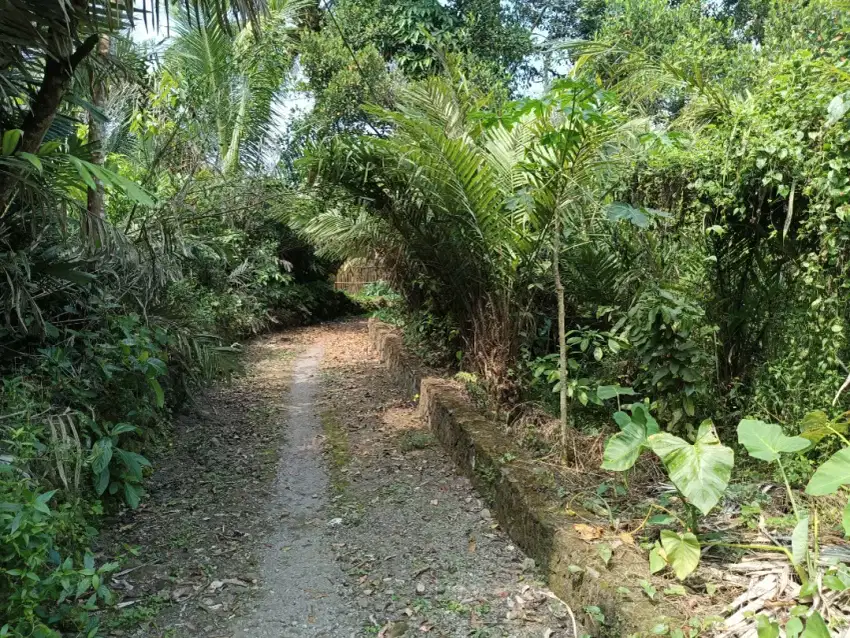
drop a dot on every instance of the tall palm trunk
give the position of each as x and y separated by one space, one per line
95 208
562 328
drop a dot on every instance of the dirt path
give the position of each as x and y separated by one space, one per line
299 574
325 509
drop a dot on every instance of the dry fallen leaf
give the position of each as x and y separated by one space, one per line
627 538
588 532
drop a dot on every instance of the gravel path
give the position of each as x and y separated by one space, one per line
307 499
382 536
299 574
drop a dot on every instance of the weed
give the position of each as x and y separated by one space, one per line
416 440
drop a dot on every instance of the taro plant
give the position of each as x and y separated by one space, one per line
700 471
767 442
834 473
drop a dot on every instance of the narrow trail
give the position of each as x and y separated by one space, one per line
298 572
307 499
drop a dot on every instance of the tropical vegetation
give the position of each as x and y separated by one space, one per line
627 211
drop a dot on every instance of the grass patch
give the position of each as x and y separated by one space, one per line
337 447
415 440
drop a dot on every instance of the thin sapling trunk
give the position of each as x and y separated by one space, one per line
562 328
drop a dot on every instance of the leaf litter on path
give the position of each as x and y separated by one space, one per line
411 548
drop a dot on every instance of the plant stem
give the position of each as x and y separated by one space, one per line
788 489
801 574
838 434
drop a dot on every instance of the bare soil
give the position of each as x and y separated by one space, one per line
307 499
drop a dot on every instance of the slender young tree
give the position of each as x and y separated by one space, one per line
577 152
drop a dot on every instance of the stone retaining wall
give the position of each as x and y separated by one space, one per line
519 500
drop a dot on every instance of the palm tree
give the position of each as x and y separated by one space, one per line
473 201
576 157
443 185
235 78
43 42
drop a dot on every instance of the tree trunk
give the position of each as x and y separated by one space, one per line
59 66
562 329
94 219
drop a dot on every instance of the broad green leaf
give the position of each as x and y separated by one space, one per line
838 108
157 389
122 428
101 455
657 562
133 462
621 211
837 581
688 404
808 590
624 448
815 627
32 159
701 471
800 541
102 482
831 475
49 147
640 414
42 500
132 495
682 552
622 419
10 141
606 392
817 425
766 441
766 628
793 627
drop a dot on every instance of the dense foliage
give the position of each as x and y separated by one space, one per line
659 233
137 246
678 206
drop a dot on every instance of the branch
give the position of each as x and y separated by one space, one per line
54 84
83 50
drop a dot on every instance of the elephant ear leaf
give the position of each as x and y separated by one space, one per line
701 471
682 550
624 448
640 413
766 441
831 475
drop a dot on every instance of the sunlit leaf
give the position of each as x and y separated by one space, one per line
682 550
766 441
701 471
800 541
831 475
